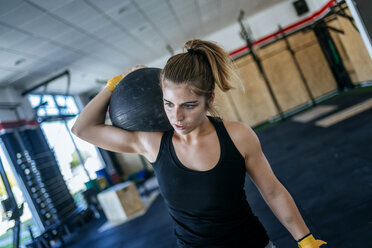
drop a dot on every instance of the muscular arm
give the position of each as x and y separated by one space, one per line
274 193
90 126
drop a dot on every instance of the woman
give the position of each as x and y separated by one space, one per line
202 163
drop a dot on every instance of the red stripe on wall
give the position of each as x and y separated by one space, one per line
304 22
16 124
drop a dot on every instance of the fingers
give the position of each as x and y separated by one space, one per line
111 84
133 69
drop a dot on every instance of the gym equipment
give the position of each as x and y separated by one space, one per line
38 169
137 102
10 207
247 37
297 64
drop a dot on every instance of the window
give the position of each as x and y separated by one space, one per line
53 106
57 114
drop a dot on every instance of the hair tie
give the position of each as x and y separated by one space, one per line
192 51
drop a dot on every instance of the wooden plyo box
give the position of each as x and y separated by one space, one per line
120 202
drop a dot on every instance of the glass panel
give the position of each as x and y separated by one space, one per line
34 100
6 238
68 160
41 112
61 100
67 103
48 106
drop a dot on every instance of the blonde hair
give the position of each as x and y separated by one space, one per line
201 67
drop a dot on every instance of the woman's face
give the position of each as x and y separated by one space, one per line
185 110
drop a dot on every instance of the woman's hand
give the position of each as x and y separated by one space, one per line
310 242
111 83
133 69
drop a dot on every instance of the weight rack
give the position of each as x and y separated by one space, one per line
36 165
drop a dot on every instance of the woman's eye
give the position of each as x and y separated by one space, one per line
168 104
188 106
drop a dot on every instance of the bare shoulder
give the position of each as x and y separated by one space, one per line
243 136
238 130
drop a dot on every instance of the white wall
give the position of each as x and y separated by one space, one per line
262 24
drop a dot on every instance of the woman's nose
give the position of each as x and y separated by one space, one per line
179 114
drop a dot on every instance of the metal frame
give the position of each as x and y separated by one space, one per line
46 82
245 35
360 25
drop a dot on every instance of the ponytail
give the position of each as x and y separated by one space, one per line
202 61
219 61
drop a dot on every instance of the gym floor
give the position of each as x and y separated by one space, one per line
328 171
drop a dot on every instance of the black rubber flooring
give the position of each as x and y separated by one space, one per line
328 171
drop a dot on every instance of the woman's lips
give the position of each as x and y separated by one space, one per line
180 127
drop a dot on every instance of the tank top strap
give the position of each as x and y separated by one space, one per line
164 144
222 131
220 127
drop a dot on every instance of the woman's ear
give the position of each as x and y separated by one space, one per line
211 99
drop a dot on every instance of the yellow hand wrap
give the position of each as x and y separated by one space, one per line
111 83
310 242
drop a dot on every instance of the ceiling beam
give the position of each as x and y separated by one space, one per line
45 82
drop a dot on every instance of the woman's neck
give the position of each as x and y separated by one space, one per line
204 129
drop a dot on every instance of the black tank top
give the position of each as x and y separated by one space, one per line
208 208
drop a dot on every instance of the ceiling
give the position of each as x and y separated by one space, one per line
97 39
